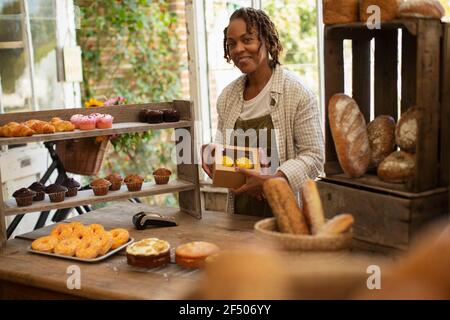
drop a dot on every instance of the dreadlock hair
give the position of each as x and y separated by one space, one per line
267 32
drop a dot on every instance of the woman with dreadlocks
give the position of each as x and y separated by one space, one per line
267 107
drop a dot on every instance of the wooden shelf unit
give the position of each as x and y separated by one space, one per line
126 120
425 83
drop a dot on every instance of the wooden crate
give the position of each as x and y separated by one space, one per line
425 72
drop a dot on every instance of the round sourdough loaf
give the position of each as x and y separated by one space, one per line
398 167
406 130
388 9
431 9
381 134
348 128
340 11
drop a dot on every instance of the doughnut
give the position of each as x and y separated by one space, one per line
120 236
67 247
45 244
96 228
62 231
76 225
106 240
88 248
82 233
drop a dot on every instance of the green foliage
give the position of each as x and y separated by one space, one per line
131 45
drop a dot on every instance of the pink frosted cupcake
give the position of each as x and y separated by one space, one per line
105 121
87 123
75 119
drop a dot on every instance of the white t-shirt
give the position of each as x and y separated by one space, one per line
258 106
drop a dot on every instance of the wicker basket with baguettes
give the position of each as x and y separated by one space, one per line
292 228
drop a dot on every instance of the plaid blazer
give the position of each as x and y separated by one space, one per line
296 119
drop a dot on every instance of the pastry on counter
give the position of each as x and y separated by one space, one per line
39 188
116 181
244 163
134 182
192 255
56 192
87 123
62 125
14 129
148 253
100 186
24 197
72 185
76 119
227 161
105 121
45 244
151 116
40 127
162 175
120 236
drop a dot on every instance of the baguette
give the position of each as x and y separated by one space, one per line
339 224
312 206
284 206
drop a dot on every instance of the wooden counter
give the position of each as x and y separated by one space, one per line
27 275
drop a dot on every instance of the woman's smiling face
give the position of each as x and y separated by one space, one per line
246 50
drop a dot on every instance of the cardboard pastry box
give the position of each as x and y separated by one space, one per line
224 168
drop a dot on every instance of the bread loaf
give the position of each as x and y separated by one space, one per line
340 11
339 224
406 130
388 9
398 167
431 9
381 134
312 206
348 128
284 206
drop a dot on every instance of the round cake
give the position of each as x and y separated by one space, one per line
148 253
192 255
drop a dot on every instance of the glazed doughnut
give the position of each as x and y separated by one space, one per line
120 236
62 231
45 244
88 248
82 233
106 240
67 247
76 225
97 229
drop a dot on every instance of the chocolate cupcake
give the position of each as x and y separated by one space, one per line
56 192
100 186
155 116
171 115
72 185
162 175
143 115
24 197
116 181
39 188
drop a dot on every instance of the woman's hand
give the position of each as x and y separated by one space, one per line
208 158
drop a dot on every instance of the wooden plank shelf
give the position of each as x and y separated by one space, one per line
11 45
87 197
118 128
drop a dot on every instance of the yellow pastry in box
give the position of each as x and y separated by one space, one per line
244 163
227 161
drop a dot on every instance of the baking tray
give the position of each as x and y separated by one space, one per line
103 257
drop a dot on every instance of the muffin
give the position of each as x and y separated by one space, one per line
155 116
116 181
162 175
134 182
148 253
56 192
39 188
24 197
171 115
72 187
100 186
143 115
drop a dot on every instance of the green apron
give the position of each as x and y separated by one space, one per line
244 203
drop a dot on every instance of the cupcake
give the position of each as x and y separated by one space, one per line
87 123
134 182
72 185
100 186
143 115
171 115
75 119
116 181
39 188
24 197
162 175
56 192
105 121
155 116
